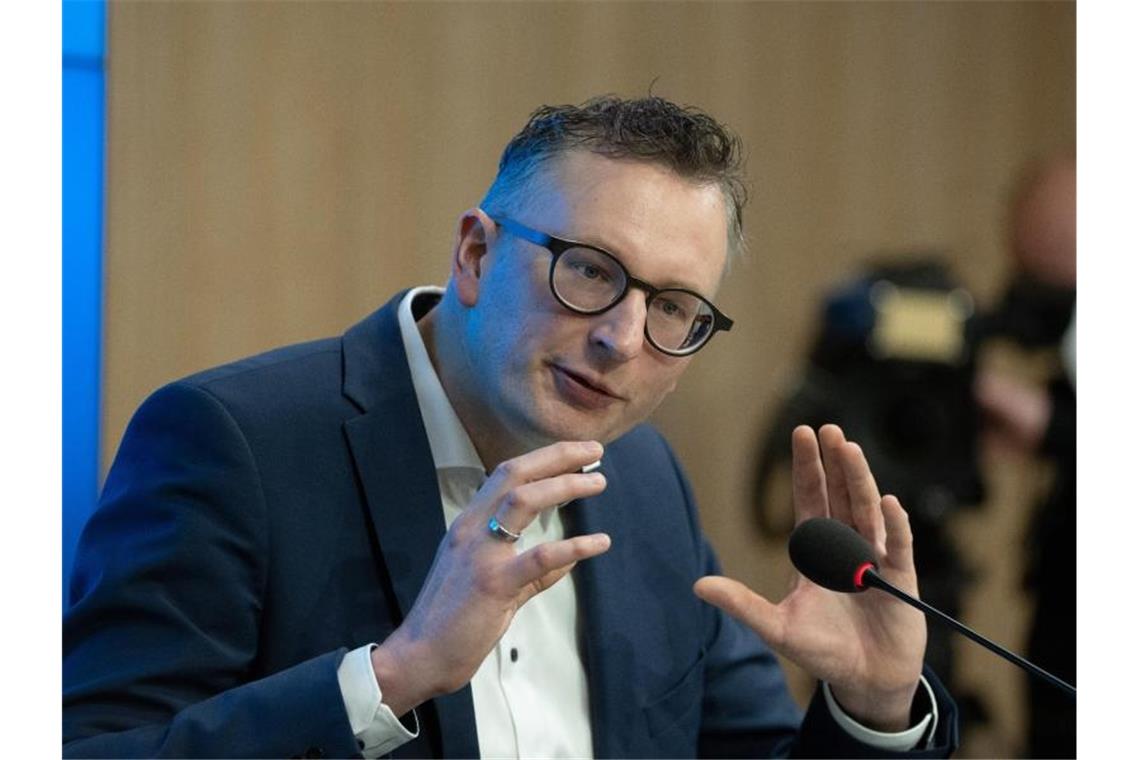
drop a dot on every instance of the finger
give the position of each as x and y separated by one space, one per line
809 484
863 495
534 588
549 461
900 542
520 505
831 442
739 601
533 564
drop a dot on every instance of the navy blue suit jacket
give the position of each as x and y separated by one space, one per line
262 518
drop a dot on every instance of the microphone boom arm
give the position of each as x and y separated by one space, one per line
873 579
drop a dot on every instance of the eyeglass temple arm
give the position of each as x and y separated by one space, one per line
526 233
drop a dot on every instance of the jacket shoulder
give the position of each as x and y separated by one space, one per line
276 364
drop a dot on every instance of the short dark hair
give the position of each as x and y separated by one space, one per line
682 138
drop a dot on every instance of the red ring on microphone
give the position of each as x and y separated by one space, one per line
860 572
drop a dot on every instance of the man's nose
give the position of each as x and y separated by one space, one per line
620 332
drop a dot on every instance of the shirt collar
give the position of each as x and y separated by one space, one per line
449 442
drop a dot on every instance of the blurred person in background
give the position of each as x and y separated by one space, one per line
1039 311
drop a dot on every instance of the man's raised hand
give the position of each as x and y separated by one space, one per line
868 647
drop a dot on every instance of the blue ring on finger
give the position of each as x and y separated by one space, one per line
501 532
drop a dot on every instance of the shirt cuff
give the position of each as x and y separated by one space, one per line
377 729
902 741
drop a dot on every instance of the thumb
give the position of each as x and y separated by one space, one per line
739 601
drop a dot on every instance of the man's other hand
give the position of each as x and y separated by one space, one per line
478 581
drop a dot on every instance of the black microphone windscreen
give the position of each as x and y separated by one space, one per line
830 553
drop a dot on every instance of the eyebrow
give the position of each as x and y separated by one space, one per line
540 238
668 286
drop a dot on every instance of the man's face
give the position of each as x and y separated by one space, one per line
541 373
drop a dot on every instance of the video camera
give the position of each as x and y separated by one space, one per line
893 365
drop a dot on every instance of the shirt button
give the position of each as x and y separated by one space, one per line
514 654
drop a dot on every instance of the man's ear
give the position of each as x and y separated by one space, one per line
472 244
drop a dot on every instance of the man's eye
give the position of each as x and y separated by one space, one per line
589 271
671 309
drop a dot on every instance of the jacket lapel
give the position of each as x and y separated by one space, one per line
607 647
393 461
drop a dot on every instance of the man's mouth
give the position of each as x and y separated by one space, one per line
582 390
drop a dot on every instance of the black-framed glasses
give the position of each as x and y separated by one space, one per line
589 280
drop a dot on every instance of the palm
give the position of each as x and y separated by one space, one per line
868 647
849 639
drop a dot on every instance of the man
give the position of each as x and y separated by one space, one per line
269 573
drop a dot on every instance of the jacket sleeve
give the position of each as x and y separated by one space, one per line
160 643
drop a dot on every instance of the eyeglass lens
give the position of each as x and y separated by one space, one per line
590 281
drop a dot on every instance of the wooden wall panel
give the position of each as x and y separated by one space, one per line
277 169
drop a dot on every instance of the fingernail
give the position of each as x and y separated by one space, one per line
600 541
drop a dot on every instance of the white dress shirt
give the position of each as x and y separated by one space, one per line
530 694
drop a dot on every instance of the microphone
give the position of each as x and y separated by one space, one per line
833 555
